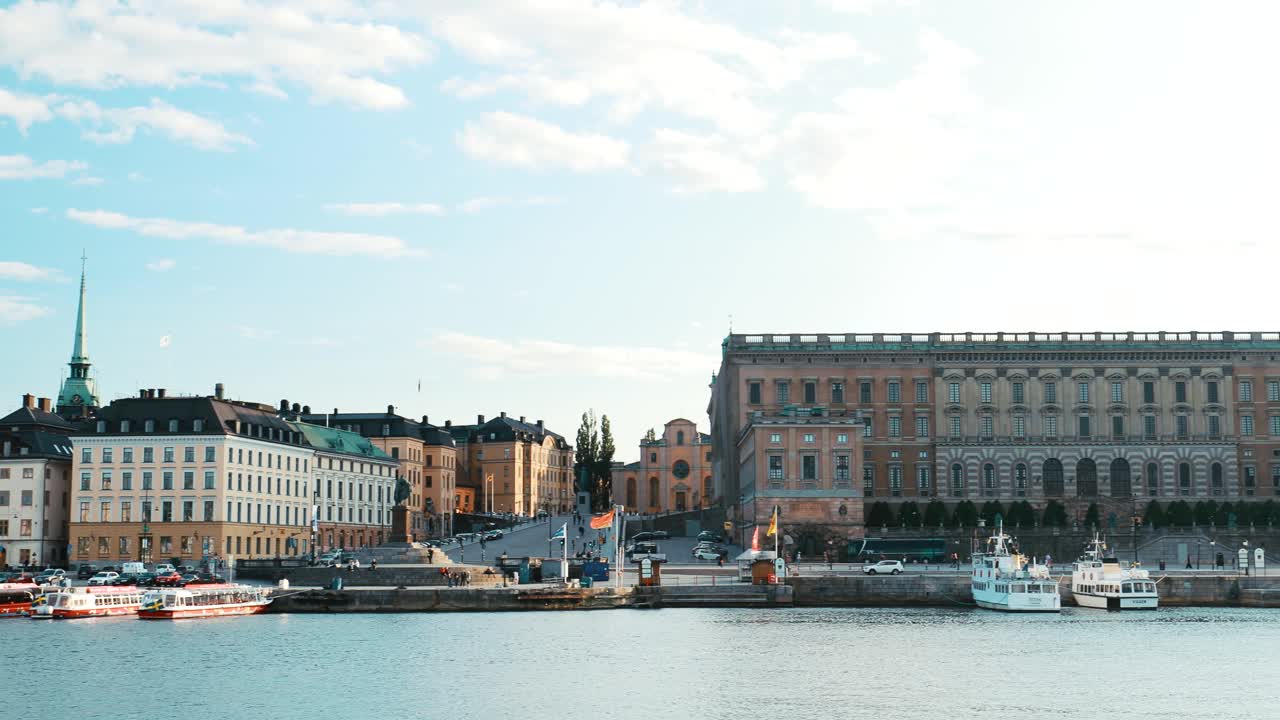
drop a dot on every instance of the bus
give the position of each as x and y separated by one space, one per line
904 549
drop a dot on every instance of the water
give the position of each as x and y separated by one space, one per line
695 664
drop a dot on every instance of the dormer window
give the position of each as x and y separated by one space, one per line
102 426
124 426
173 426
148 425
197 425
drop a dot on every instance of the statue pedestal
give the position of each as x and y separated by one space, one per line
400 532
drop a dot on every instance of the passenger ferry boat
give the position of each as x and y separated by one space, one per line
201 601
16 598
85 602
1005 580
1100 582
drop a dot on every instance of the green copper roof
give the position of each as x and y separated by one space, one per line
339 441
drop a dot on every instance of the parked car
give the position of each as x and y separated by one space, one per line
708 536
493 535
146 579
643 537
50 576
661 534
701 553
164 568
126 579
106 577
167 579
891 567
85 571
329 558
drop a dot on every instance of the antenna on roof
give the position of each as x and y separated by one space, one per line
730 323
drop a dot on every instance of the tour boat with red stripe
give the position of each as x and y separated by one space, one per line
204 601
16 598
87 602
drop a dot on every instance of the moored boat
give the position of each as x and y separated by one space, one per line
86 602
1003 579
202 601
16 598
1098 581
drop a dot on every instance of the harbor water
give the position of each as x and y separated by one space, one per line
678 663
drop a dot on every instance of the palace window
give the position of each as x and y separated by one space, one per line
1273 391
895 391
953 425
1275 424
842 468
866 427
1153 479
1246 391
922 427
1117 391
988 427
895 480
753 395
864 392
922 478
842 438
1211 391
1246 425
869 480
1117 427
1182 424
809 467
922 391
782 391
895 426
988 479
1184 478
957 479
775 467
1082 392
809 438
837 393
953 392
984 392
1019 426
1020 480
1019 394
1149 427
1215 427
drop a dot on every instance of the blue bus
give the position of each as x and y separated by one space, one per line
904 549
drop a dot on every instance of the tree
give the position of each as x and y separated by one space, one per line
909 514
1055 515
880 515
1206 513
1091 519
1223 517
1021 514
935 513
651 436
1179 514
990 509
1154 516
965 515
600 497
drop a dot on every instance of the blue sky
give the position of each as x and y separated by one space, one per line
541 207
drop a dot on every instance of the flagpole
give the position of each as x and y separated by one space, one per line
621 530
777 531
564 549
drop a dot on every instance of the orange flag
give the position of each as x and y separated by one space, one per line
600 522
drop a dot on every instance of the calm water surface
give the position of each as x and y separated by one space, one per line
883 664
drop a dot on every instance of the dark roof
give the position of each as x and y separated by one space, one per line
371 425
505 428
33 443
28 416
433 435
219 417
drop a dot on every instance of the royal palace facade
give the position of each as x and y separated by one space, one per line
1115 419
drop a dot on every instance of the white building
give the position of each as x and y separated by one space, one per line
355 487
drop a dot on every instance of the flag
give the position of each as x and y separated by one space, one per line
600 522
755 539
560 533
419 386
773 523
164 341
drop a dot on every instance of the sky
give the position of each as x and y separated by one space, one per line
546 206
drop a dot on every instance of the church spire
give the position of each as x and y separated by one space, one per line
79 394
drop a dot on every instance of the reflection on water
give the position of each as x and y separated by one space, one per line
809 663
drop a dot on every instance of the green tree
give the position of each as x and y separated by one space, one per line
650 436
1091 519
1021 514
935 513
965 515
880 515
1222 517
1272 513
1154 516
601 495
1206 513
1055 515
990 509
1179 514
909 515
586 452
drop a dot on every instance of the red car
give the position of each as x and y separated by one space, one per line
168 579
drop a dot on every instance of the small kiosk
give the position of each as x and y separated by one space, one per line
650 572
756 566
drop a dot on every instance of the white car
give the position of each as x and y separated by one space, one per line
891 567
104 578
705 554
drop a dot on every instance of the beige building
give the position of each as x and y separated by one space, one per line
673 473
514 466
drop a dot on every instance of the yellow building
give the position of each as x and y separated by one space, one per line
672 475
514 466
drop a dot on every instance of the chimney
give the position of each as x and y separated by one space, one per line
479 419
296 408
46 404
391 409
335 411
424 420
284 406
504 414
151 393
521 418
541 427
28 400
219 391
142 393
306 409
448 423
161 391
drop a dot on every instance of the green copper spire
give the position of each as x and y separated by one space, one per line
79 394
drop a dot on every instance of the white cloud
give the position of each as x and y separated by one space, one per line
480 204
254 333
161 265
15 309
509 139
24 110
39 210
88 180
700 163
21 167
549 358
15 270
288 239
383 209
866 7
333 48
120 125
137 177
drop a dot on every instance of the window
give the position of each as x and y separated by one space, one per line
953 426
775 467
1211 391
1215 427
173 426
209 481
809 467
188 510
1274 420
1053 483
810 392
146 479
84 480
988 429
866 427
837 393
86 455
922 479
1250 480
953 392
1182 426
895 391
922 427
148 425
922 391
168 454
197 425
957 479
1050 391
1082 392
126 455
864 392
1153 479
1246 425
1246 391
1019 426
106 455
782 391
166 511
842 468
753 394
895 426
188 480
895 480
1184 479
1148 391
842 438
1019 393
208 453
126 480
988 479
1120 483
106 479
1149 427
774 438
1083 429
869 480
984 392
1020 480
1275 477
27 498
166 480
148 454
1180 391
189 454
808 438
1215 478
1117 391
1117 427
1273 391
1087 478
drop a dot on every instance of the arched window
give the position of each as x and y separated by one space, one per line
1153 479
1087 478
1020 480
679 437
653 492
957 480
1184 478
988 479
1120 482
708 490
1053 485
1215 478
631 492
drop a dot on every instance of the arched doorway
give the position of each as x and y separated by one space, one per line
1053 483
1087 478
1121 485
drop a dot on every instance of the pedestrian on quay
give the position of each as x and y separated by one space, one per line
1188 562
373 564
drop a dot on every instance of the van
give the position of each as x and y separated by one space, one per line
132 568
164 568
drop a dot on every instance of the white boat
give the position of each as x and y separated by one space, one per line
202 601
1098 581
85 602
1006 580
